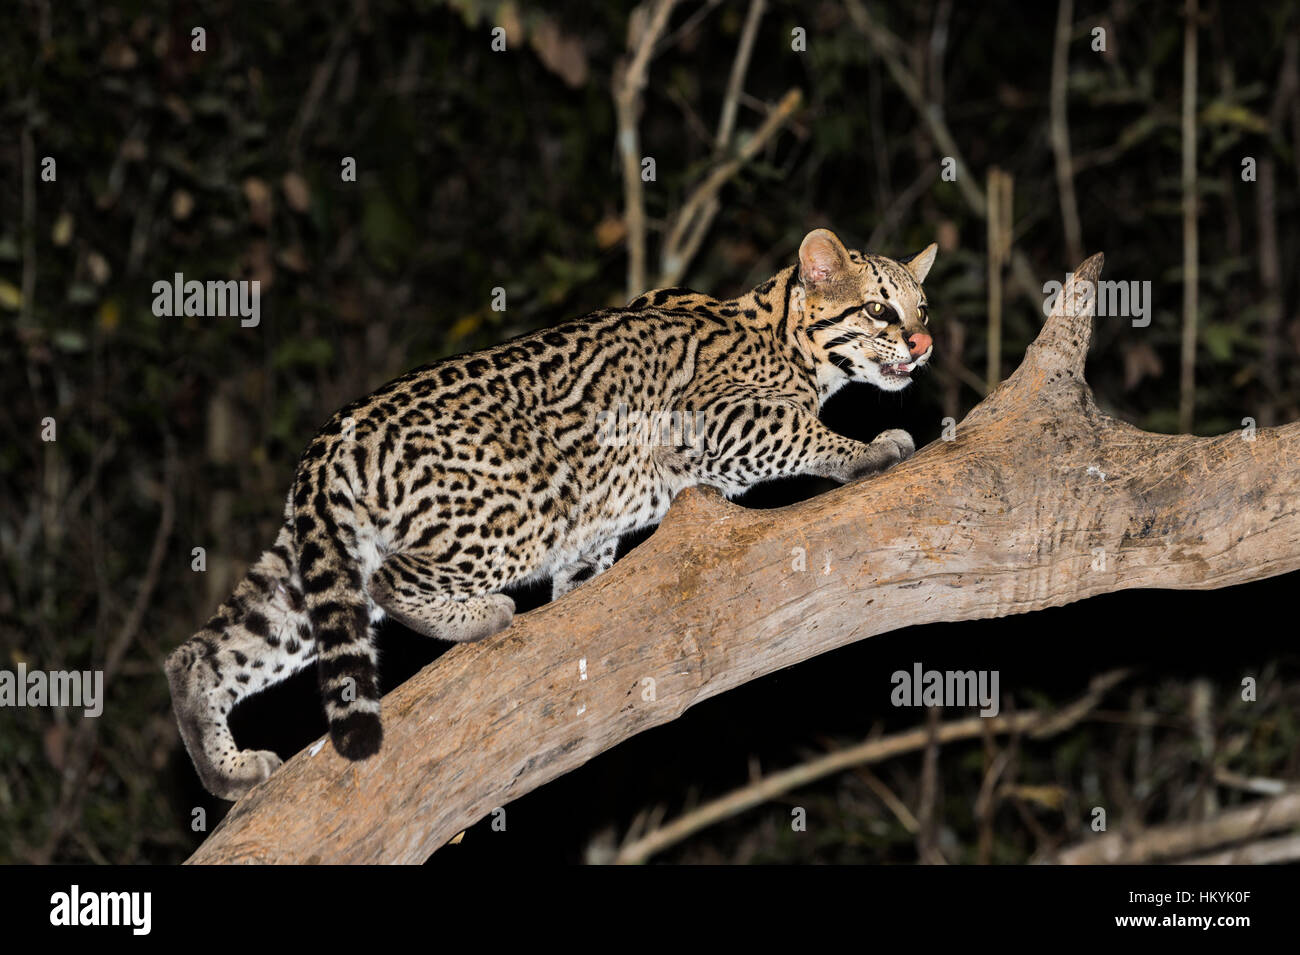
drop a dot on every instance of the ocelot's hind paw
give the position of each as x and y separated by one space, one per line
248 768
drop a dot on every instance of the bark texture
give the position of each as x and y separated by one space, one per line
1039 500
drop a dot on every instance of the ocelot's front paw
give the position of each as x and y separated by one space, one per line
245 770
897 443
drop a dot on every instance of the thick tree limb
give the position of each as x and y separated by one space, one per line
1040 500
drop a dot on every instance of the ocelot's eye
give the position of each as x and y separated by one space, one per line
875 309
923 312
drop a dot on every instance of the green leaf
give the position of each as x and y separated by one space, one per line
387 235
1219 340
299 351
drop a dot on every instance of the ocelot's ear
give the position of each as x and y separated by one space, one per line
822 257
918 263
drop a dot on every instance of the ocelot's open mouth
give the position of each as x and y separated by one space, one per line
899 369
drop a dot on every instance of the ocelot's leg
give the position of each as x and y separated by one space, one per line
752 441
404 586
844 459
596 561
257 638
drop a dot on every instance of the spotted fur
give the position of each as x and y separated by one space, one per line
427 498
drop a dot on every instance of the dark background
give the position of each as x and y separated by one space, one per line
479 169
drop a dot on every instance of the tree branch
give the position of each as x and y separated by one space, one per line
1191 235
645 27
693 219
1060 129
1163 843
1037 725
1039 501
736 82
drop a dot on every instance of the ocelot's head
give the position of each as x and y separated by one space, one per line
865 316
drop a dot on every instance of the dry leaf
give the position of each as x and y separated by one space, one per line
134 150
177 107
948 236
10 297
98 267
119 55
55 740
257 263
61 234
258 194
296 191
508 19
1049 797
561 53
610 231
110 315
182 205
1140 361
294 259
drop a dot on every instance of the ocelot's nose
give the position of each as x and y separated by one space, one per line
918 342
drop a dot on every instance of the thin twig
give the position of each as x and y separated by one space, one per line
73 791
695 216
689 24
1060 131
890 799
629 83
28 302
927 839
1191 253
888 47
894 212
739 66
1261 785
993 361
316 89
986 803
1270 264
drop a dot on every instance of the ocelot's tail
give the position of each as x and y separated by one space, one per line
339 612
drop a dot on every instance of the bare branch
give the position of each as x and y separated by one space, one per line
1263 852
888 48
735 84
1161 843
629 83
1060 130
695 216
1191 237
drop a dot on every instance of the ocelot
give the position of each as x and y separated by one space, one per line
425 499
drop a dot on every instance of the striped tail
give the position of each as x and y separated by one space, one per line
339 612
